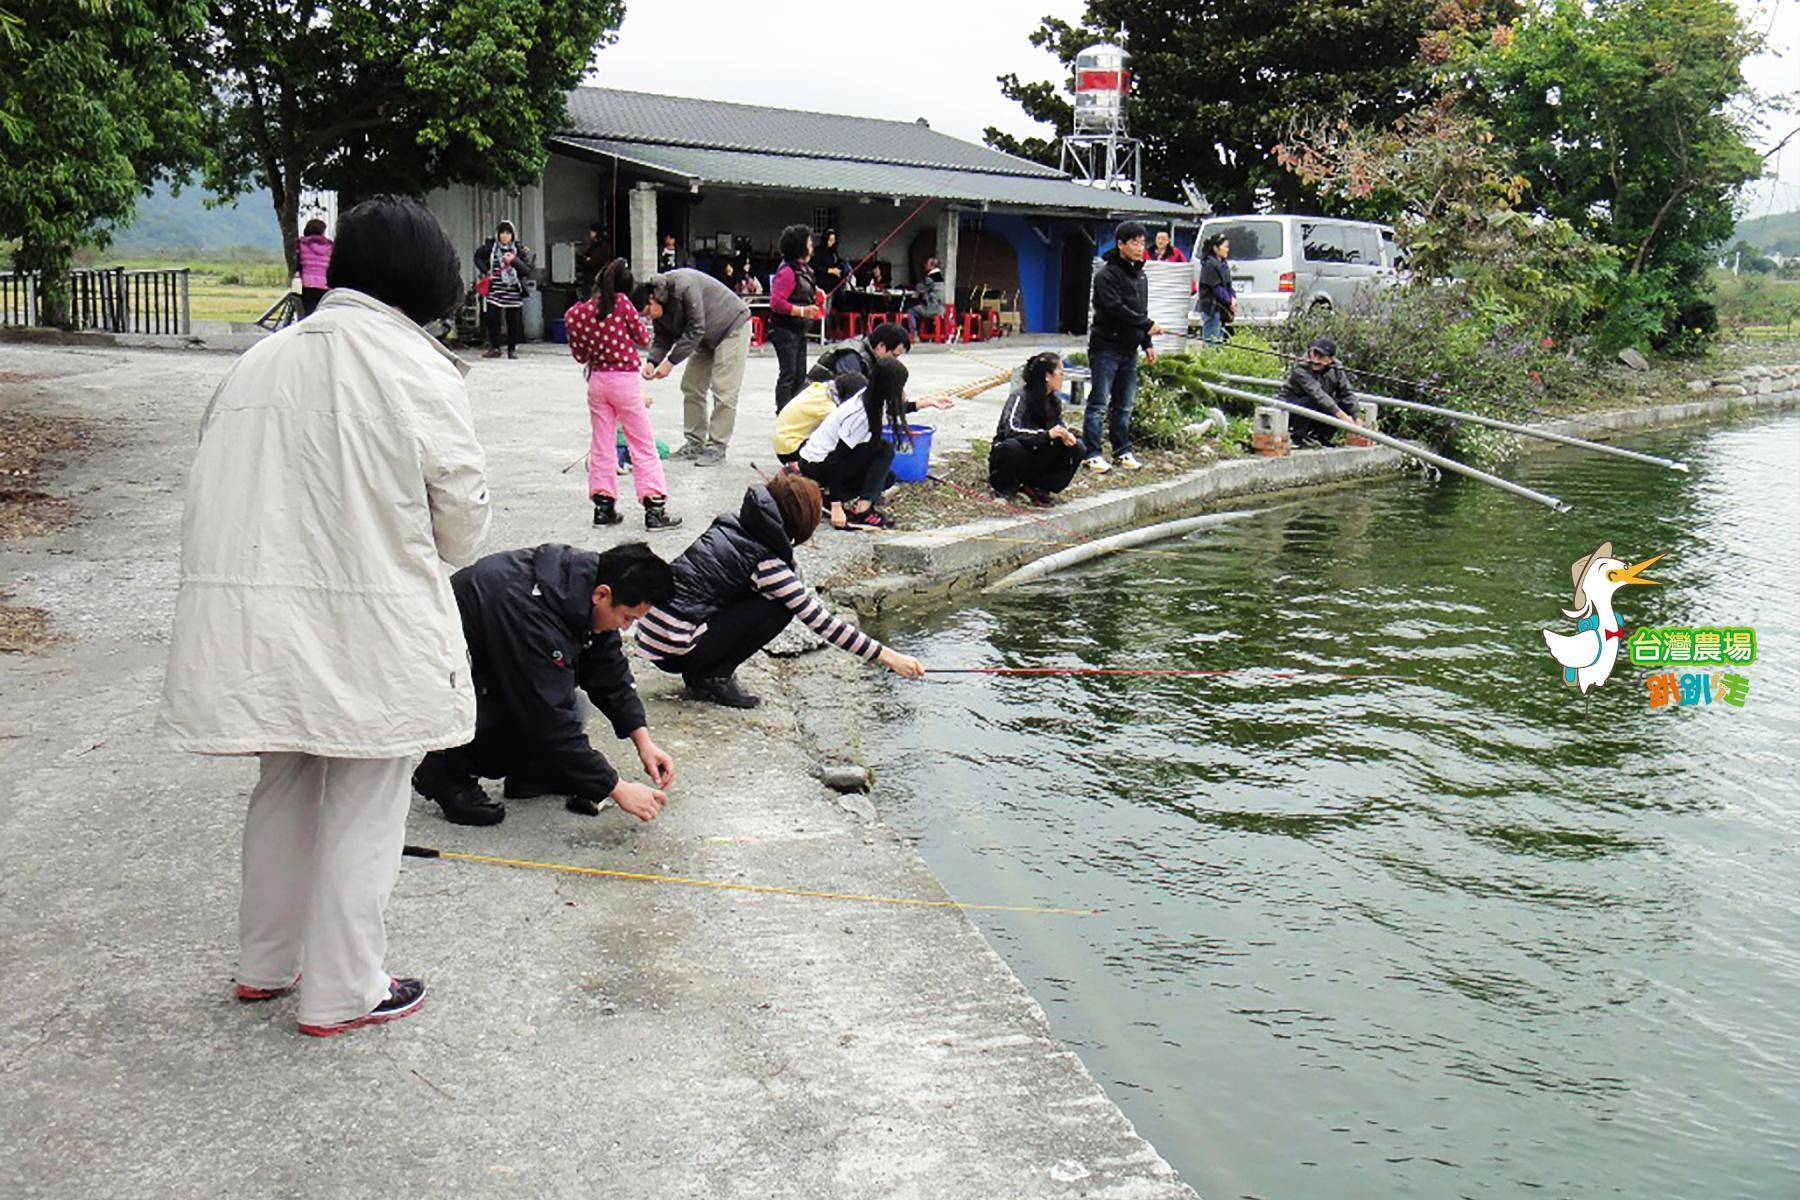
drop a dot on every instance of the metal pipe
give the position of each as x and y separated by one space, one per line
1561 439
1405 447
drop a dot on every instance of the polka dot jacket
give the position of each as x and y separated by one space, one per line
610 344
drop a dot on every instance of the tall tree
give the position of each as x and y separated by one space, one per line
1216 82
1630 119
93 109
390 95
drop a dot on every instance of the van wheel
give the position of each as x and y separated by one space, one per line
1319 306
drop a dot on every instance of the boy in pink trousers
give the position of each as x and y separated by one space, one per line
605 332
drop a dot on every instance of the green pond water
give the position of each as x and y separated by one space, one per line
1366 938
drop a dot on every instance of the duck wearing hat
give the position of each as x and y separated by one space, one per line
1587 655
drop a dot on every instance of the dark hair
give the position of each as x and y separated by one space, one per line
828 235
1130 231
313 228
885 397
635 575
891 336
506 227
1036 374
393 249
614 278
849 383
643 292
595 228
793 242
1211 244
800 503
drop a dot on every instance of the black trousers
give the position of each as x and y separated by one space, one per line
853 473
515 326
1012 465
733 634
790 363
309 300
1304 431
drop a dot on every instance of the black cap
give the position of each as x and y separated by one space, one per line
1324 346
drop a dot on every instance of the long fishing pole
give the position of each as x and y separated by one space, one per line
1414 383
1411 448
759 888
1561 439
1169 672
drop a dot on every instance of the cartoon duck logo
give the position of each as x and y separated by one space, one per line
1587 655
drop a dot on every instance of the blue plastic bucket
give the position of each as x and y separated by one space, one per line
559 331
911 463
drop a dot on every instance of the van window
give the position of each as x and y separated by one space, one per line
1251 241
1364 243
1321 242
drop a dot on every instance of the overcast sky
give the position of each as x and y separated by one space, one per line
939 60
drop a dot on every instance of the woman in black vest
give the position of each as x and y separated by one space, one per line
737 587
1033 451
793 301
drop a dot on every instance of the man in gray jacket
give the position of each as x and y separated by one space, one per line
697 319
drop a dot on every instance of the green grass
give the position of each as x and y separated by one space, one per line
1757 305
218 289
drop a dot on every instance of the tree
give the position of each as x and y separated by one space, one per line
1217 82
390 95
1629 118
1460 209
93 109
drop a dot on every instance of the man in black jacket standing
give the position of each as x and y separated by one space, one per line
1322 385
541 623
1122 326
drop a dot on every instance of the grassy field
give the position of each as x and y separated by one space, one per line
1757 306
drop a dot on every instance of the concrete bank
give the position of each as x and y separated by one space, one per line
913 570
583 1035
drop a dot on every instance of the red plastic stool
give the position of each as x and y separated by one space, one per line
756 331
971 327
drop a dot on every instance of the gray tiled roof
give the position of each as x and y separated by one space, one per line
807 173
714 124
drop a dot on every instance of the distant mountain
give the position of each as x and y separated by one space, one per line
1777 234
170 226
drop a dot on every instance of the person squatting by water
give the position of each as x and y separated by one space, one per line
337 470
848 457
793 302
1122 326
1033 451
698 320
605 332
807 411
738 586
887 340
541 623
1322 385
504 264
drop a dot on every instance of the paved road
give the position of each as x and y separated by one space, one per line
583 1034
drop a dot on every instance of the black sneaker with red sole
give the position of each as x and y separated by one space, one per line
405 997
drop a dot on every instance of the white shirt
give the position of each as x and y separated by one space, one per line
847 424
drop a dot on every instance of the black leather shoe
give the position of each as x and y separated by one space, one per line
656 514
720 689
464 801
606 510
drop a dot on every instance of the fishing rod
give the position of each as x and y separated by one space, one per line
759 888
1168 672
1410 448
1415 383
1560 439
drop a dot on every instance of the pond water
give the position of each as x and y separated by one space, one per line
1446 936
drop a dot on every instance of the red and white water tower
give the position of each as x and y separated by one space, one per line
1100 150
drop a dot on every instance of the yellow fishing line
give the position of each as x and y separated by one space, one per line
766 889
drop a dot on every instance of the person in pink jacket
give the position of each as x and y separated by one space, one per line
605 332
315 259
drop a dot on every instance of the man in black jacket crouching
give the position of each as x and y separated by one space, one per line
540 623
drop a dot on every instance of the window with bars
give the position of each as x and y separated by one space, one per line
824 217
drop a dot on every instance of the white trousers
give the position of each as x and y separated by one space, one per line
322 848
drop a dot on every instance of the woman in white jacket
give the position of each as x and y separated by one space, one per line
338 473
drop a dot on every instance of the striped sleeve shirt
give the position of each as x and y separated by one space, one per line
661 635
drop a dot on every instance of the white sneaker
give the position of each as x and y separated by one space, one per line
1098 465
1130 462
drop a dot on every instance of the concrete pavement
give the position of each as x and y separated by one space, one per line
583 1034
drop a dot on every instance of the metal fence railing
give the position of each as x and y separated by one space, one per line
113 300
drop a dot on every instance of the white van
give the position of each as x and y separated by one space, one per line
1282 264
